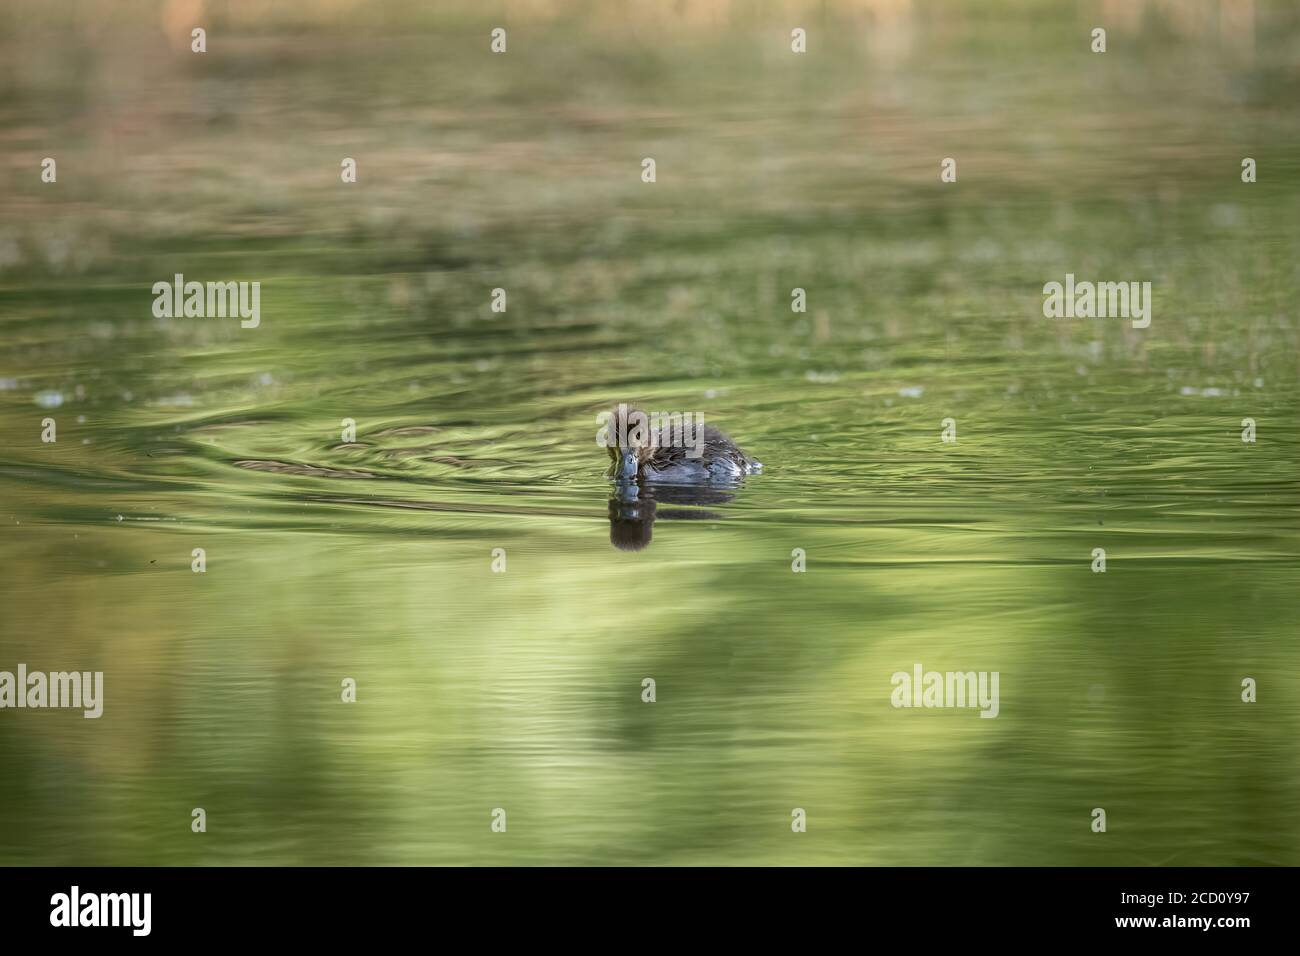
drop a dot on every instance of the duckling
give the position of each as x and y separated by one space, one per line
643 447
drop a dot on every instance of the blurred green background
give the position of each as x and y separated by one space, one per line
475 431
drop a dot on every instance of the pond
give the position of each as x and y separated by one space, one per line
392 479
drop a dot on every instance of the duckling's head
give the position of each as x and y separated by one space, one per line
629 441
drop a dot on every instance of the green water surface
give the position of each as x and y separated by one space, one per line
522 690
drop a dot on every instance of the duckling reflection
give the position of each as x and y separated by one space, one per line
631 517
633 509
